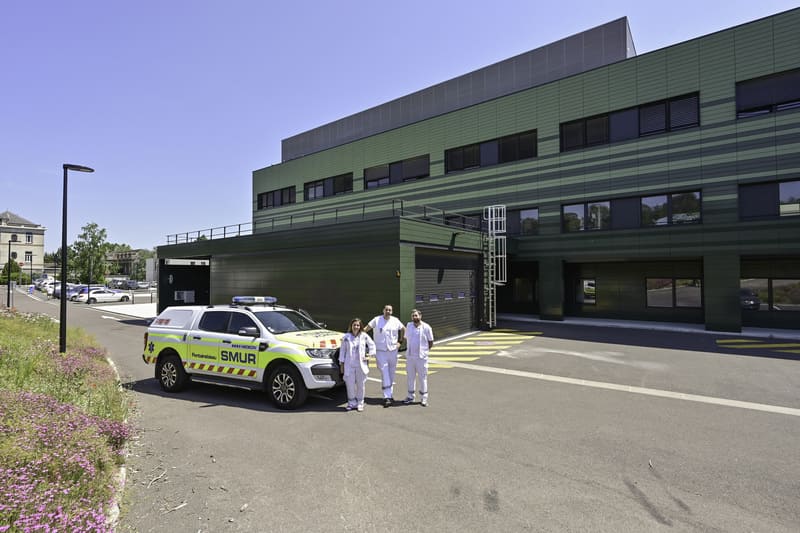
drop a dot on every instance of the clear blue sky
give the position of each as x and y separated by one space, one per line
176 102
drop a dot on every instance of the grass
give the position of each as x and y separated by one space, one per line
62 429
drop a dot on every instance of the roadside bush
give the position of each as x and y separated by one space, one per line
62 429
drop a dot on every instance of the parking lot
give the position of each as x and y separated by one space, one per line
532 426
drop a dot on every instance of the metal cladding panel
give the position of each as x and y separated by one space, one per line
596 47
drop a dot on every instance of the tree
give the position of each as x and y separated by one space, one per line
14 271
89 253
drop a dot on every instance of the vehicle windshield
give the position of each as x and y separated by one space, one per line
278 322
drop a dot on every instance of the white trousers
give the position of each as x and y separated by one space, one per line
387 365
355 383
417 370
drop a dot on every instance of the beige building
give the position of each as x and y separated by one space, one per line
27 240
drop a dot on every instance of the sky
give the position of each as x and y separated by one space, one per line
175 103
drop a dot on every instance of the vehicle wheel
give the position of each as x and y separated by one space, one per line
170 373
92 301
124 298
286 388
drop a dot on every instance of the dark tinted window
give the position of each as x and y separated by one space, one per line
625 213
572 135
759 200
623 125
768 94
653 118
597 130
239 321
216 321
684 112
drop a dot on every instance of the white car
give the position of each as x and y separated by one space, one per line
103 295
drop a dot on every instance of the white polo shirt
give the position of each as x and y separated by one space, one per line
385 332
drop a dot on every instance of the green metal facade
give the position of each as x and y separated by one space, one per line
713 158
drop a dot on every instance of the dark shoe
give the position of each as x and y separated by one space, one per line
387 402
408 400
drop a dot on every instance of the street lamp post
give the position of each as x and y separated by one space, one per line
62 325
13 239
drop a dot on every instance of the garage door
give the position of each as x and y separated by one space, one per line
447 290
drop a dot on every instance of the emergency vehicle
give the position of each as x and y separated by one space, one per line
253 343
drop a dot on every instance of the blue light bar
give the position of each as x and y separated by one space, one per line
250 300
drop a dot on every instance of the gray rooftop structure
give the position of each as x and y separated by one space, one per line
599 46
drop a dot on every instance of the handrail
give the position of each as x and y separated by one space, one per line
333 215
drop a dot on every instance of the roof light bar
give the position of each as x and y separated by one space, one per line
250 300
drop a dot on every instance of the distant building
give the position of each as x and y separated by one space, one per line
27 241
124 263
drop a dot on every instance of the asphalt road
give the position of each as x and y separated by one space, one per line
535 427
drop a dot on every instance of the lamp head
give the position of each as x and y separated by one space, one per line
77 168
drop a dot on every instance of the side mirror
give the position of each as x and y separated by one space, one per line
250 331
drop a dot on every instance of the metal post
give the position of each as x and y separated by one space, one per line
62 324
8 276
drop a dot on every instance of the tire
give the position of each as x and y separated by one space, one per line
124 298
286 388
92 301
170 373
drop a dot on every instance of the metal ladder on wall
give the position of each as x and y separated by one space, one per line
494 248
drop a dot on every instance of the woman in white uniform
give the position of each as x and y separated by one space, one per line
354 354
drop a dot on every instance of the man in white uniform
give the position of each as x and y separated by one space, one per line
419 339
388 334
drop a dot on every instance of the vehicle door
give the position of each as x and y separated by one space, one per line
103 295
239 354
205 341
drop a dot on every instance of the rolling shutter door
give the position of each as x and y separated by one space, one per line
446 291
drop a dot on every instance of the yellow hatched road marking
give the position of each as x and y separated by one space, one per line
734 341
469 347
448 358
440 353
789 351
784 345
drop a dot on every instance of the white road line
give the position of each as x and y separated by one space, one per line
635 390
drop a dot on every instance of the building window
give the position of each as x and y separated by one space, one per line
585 292
754 294
573 216
659 292
276 198
674 292
633 212
328 187
598 215
29 257
768 94
406 170
648 119
314 190
529 221
29 237
769 200
688 293
785 294
684 207
510 148
655 211
789 198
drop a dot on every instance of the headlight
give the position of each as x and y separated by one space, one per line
320 353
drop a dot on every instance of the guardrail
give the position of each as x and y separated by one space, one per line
334 215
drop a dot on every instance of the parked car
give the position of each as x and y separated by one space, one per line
142 284
102 295
81 289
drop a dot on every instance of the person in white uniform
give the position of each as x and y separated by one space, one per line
388 334
354 355
419 341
